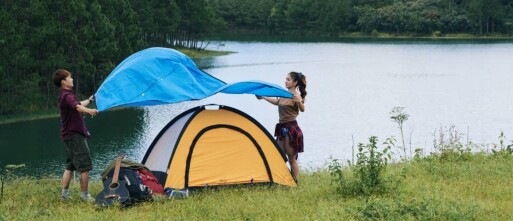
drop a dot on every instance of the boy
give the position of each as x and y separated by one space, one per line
74 133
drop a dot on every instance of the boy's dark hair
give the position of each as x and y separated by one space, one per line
60 75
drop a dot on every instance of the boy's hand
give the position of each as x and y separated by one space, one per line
93 112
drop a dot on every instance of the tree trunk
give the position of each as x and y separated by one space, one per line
480 26
487 25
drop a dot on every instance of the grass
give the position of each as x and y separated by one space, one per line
477 188
202 53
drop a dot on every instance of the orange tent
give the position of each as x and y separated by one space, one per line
216 145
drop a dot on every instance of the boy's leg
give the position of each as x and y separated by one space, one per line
66 179
84 181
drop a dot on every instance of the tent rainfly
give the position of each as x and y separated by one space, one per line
216 145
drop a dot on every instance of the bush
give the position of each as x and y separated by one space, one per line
449 146
366 177
375 33
502 150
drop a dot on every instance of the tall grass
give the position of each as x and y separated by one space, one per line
456 182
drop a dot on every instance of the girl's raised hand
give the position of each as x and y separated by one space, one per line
297 97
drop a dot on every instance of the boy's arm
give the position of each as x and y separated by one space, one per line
89 111
81 107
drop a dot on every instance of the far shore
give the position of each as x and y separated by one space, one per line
358 36
8 119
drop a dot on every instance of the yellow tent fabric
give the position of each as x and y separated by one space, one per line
218 147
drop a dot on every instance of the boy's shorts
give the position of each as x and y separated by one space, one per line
78 156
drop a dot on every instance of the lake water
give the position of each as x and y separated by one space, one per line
352 87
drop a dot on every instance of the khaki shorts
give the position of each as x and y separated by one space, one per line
78 156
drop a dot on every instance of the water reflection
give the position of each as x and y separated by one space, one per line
37 143
115 132
35 146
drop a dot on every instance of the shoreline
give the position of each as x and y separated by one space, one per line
11 119
356 37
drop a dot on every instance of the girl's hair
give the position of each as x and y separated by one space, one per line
60 75
300 78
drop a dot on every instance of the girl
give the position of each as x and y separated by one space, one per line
287 131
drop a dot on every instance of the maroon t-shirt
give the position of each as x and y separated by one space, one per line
72 121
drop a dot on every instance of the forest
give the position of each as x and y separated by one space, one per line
90 37
336 17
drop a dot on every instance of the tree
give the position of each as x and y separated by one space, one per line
277 17
485 14
126 29
335 16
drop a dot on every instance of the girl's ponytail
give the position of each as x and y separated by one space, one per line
301 83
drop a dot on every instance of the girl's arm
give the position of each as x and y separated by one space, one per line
299 101
272 100
301 106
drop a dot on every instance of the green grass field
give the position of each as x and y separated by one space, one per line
477 187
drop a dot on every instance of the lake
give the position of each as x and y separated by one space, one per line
352 87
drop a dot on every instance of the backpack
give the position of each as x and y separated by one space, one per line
137 190
149 180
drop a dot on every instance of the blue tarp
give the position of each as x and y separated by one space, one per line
162 75
259 88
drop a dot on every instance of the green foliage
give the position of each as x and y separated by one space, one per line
310 17
367 176
345 186
418 154
502 150
375 33
334 17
